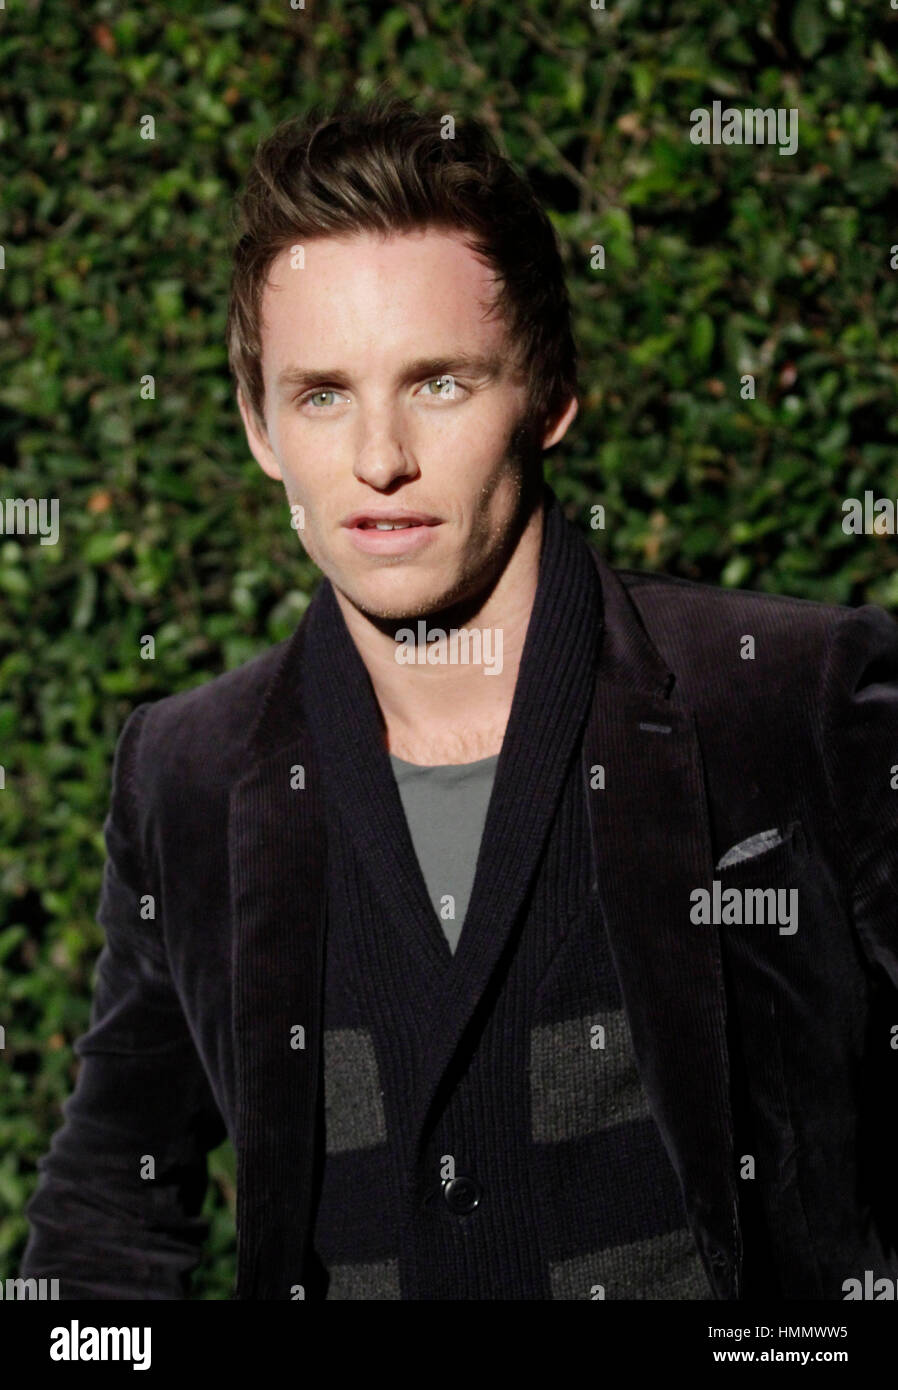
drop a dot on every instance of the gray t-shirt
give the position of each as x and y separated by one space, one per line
446 808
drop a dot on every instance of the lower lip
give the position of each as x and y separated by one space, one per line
400 542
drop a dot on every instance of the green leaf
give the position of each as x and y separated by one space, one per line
807 28
225 17
701 339
99 550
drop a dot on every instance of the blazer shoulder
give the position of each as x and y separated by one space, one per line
665 597
702 628
201 736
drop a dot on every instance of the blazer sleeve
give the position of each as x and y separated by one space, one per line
861 753
116 1212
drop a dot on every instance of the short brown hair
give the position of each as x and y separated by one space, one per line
385 167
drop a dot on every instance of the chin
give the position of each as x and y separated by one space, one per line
409 598
410 604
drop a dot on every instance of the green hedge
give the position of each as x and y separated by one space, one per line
719 261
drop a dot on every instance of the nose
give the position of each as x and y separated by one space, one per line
383 451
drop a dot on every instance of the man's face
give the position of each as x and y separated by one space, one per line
389 390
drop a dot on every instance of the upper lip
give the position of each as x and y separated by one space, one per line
420 518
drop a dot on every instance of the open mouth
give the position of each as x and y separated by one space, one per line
390 521
375 534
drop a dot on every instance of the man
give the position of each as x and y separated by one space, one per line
543 951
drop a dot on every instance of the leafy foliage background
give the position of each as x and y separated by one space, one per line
719 261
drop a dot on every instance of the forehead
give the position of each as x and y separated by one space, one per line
365 293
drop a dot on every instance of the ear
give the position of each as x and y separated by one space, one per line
561 425
257 439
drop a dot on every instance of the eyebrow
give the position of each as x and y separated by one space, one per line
296 378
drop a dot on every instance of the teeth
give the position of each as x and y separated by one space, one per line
392 525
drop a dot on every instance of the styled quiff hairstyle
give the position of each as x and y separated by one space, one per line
386 167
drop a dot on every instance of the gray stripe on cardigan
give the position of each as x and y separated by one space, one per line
353 1098
664 1267
365 1281
577 1088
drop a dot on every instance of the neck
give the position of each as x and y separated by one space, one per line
449 712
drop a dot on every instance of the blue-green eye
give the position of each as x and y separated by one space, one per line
316 394
445 385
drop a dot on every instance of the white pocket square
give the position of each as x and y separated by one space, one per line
751 848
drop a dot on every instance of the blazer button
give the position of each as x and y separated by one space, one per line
462 1194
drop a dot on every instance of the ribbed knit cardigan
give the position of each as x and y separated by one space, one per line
538 1170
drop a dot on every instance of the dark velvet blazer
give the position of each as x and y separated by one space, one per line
769 1059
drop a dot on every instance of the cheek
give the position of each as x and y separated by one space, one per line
285 435
483 441
301 459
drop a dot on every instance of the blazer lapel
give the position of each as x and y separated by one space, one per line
276 848
652 847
